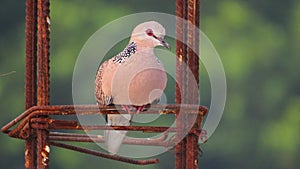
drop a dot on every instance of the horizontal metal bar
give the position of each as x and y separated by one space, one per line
47 123
103 155
93 109
91 127
75 137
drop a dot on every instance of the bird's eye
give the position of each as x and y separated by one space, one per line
149 32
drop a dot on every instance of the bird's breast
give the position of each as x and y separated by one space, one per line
139 81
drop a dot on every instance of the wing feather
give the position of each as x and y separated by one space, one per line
101 97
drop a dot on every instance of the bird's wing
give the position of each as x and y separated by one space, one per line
102 97
106 72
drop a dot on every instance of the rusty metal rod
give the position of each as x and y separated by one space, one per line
160 141
129 128
193 49
31 55
36 113
181 86
181 50
102 140
192 76
43 52
91 109
85 110
74 137
103 155
31 77
43 89
40 123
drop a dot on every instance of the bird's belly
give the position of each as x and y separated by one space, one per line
139 87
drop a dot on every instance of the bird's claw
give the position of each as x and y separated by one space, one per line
139 109
130 109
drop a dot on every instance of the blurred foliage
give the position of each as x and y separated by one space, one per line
258 42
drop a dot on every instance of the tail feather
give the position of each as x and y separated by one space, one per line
114 138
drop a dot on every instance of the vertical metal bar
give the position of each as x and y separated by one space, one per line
193 75
181 63
43 79
31 55
43 52
187 72
193 43
31 79
181 51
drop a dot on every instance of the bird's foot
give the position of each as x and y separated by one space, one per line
127 108
140 108
130 109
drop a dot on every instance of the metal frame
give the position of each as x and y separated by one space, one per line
36 126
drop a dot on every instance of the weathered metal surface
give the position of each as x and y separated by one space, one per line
187 73
75 137
64 110
43 89
181 87
103 155
35 117
192 146
31 79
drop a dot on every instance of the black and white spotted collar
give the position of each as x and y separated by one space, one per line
126 53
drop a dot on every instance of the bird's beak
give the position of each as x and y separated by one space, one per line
164 43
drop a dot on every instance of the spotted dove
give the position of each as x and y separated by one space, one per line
133 78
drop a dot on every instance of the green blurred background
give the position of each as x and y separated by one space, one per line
258 42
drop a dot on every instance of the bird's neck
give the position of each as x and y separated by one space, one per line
144 48
145 51
143 44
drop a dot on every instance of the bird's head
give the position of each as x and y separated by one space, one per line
149 35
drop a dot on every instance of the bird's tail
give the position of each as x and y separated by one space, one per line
114 138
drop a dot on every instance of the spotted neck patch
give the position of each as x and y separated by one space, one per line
126 53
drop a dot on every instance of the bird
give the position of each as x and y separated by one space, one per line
133 79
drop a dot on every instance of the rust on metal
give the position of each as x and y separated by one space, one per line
30 77
43 52
103 155
43 78
181 64
31 55
36 118
181 51
75 137
36 111
193 49
192 146
187 73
